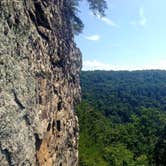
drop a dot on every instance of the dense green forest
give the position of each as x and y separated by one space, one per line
122 118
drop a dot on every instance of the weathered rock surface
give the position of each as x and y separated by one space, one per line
39 84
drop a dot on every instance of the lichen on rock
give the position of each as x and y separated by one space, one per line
39 84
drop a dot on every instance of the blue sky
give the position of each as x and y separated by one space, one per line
132 36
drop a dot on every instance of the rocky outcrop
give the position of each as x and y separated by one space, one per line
39 84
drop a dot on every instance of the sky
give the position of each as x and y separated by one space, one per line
132 36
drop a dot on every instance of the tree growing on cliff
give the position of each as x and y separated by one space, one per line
98 7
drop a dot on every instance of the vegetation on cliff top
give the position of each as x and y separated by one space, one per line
96 6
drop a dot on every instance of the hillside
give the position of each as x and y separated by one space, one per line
122 118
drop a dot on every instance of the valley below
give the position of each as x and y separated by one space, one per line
122 118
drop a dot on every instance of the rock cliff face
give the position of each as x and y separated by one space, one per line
39 84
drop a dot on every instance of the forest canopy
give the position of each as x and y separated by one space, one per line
122 118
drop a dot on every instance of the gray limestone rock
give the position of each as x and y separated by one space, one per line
39 84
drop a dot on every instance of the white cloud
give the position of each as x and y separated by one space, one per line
161 64
93 37
106 20
142 18
141 12
97 65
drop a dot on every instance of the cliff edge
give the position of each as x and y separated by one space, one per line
39 84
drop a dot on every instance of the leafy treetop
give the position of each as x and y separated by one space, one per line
98 7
